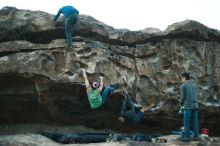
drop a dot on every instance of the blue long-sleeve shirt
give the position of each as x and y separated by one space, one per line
188 95
66 11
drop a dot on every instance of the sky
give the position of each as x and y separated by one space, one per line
133 14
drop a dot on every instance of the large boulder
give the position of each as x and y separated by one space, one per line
34 89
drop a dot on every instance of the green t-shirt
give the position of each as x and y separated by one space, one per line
95 99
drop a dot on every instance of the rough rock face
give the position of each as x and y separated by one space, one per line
32 61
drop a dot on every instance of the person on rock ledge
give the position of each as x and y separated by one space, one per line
71 18
96 92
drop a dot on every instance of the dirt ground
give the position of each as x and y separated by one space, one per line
28 135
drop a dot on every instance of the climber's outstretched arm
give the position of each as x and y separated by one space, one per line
88 87
101 84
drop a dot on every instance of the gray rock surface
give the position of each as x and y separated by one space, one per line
34 89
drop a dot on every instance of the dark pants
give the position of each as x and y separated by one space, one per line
93 137
188 116
69 23
129 112
77 138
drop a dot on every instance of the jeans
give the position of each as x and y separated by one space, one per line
69 23
105 93
188 116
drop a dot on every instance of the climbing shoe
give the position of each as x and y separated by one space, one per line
116 86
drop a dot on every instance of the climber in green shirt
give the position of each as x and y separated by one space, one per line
97 93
